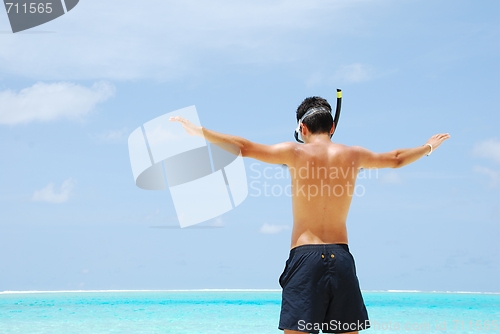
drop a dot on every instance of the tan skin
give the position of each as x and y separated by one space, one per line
320 201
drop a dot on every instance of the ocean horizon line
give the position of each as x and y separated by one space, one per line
10 292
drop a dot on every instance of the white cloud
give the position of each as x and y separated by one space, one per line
489 149
164 39
47 102
354 73
272 229
49 195
492 174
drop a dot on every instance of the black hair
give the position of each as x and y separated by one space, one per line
320 122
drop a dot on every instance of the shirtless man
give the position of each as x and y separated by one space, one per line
320 287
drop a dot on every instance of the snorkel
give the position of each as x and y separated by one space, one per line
320 109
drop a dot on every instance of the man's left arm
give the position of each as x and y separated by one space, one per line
282 153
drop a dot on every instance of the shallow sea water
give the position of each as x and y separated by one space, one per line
246 312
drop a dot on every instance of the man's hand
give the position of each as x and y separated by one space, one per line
437 140
190 128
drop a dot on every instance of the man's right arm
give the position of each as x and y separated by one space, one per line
398 158
283 153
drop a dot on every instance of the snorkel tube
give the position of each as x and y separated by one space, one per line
312 111
337 110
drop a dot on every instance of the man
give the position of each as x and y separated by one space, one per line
320 287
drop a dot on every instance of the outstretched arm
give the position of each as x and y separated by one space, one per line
398 158
275 154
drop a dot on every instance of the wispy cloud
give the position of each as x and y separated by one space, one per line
217 222
272 229
391 178
160 135
153 215
47 102
493 175
488 149
111 136
163 39
354 73
50 195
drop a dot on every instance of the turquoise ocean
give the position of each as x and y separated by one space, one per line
224 311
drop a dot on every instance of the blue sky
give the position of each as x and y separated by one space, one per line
72 90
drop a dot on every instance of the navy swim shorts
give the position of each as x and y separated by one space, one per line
321 291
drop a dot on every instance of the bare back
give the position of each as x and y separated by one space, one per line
323 182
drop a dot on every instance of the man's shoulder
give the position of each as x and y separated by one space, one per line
336 147
348 148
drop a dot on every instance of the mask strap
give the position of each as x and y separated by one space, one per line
309 112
